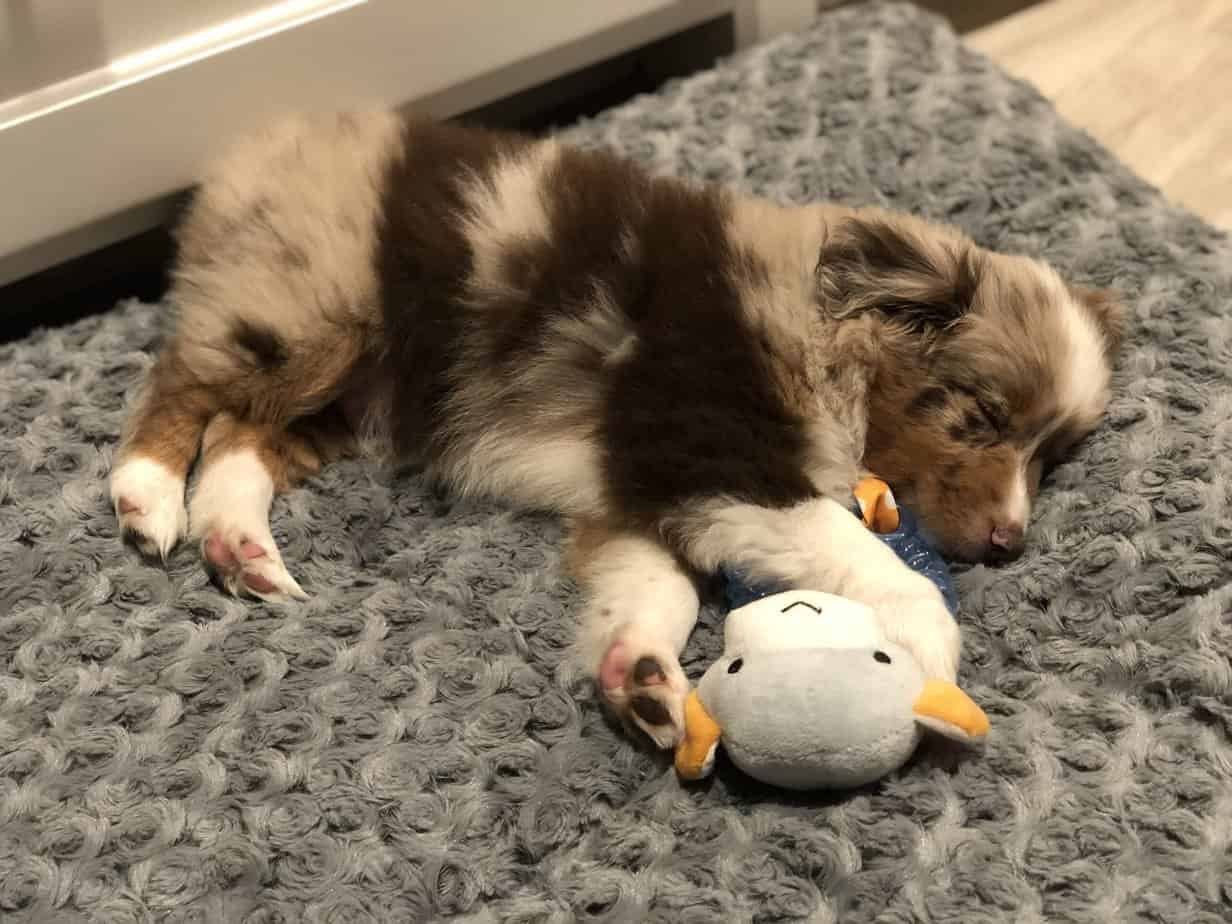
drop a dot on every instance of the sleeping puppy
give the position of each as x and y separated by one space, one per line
690 376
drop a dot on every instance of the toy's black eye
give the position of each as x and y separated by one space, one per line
881 657
734 667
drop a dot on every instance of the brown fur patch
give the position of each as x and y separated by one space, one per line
288 455
170 414
422 261
586 538
253 375
261 341
920 277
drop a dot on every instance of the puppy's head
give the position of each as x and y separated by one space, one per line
990 369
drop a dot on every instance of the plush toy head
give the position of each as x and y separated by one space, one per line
809 694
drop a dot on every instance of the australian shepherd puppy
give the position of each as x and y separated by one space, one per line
690 376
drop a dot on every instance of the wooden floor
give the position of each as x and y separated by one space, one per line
1151 79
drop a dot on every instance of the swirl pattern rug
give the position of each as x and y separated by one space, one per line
412 745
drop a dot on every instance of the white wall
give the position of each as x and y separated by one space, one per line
120 101
45 41
132 25
42 41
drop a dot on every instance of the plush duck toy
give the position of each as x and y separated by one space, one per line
809 694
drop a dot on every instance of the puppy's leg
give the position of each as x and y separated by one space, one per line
820 545
160 441
243 466
640 610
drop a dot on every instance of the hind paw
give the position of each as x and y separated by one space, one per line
149 505
230 517
244 561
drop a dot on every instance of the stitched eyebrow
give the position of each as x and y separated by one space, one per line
800 603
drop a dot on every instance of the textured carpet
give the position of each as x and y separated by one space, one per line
410 745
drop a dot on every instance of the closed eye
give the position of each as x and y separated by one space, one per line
982 425
990 414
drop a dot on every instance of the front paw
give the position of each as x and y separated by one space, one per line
926 628
641 680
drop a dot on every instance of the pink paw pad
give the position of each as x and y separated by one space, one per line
614 669
259 583
251 550
218 554
245 565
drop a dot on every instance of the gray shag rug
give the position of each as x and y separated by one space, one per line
411 745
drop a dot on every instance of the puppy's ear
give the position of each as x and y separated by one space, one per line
1109 314
921 282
